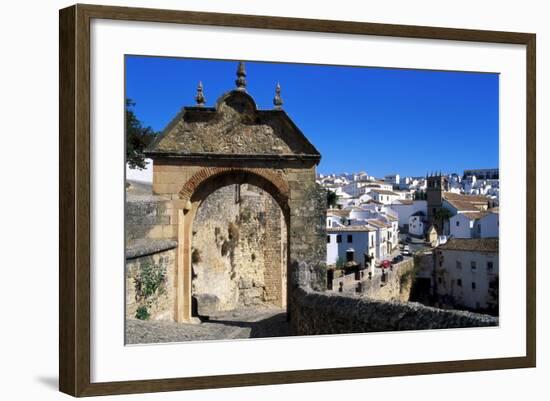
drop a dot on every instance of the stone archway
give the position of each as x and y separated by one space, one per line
194 192
234 142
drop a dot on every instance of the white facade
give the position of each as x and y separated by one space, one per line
474 225
392 179
383 196
384 238
406 210
417 226
461 226
355 241
488 226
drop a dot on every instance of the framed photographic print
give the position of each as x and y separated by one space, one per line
250 200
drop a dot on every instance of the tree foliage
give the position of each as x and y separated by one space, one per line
332 198
443 214
420 195
137 138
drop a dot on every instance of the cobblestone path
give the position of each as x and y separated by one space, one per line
242 323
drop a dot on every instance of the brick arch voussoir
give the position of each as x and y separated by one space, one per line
206 173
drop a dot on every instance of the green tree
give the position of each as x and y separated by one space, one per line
332 198
137 138
442 215
419 195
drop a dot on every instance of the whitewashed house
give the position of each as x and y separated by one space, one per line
392 179
337 218
488 225
462 225
417 224
405 195
467 273
475 224
383 245
384 196
406 208
351 244
365 198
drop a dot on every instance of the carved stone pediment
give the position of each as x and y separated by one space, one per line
235 128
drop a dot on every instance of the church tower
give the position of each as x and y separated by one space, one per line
436 184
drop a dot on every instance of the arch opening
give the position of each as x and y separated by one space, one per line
234 249
239 252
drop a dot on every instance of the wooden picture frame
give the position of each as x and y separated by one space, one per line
75 207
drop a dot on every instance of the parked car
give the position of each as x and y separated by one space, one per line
397 259
408 239
385 264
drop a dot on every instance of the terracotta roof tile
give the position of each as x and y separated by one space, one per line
471 244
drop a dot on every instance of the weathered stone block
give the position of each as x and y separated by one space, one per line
207 304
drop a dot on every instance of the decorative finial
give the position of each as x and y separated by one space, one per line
241 77
199 98
277 100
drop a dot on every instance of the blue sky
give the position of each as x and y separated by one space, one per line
377 120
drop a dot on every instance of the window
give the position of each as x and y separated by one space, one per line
459 282
473 285
458 223
473 265
328 239
350 238
489 265
459 264
338 238
439 280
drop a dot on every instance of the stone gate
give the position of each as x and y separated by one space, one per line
206 148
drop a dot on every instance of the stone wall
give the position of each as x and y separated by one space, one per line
238 241
330 313
308 205
395 285
150 279
149 216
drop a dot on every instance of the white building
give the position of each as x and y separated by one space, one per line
384 243
467 273
358 188
475 224
405 195
392 179
384 196
338 218
417 224
406 208
351 244
462 225
488 225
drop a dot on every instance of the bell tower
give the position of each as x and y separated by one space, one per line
436 184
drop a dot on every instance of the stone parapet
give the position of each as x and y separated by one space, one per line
329 313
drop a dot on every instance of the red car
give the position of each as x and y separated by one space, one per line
385 264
